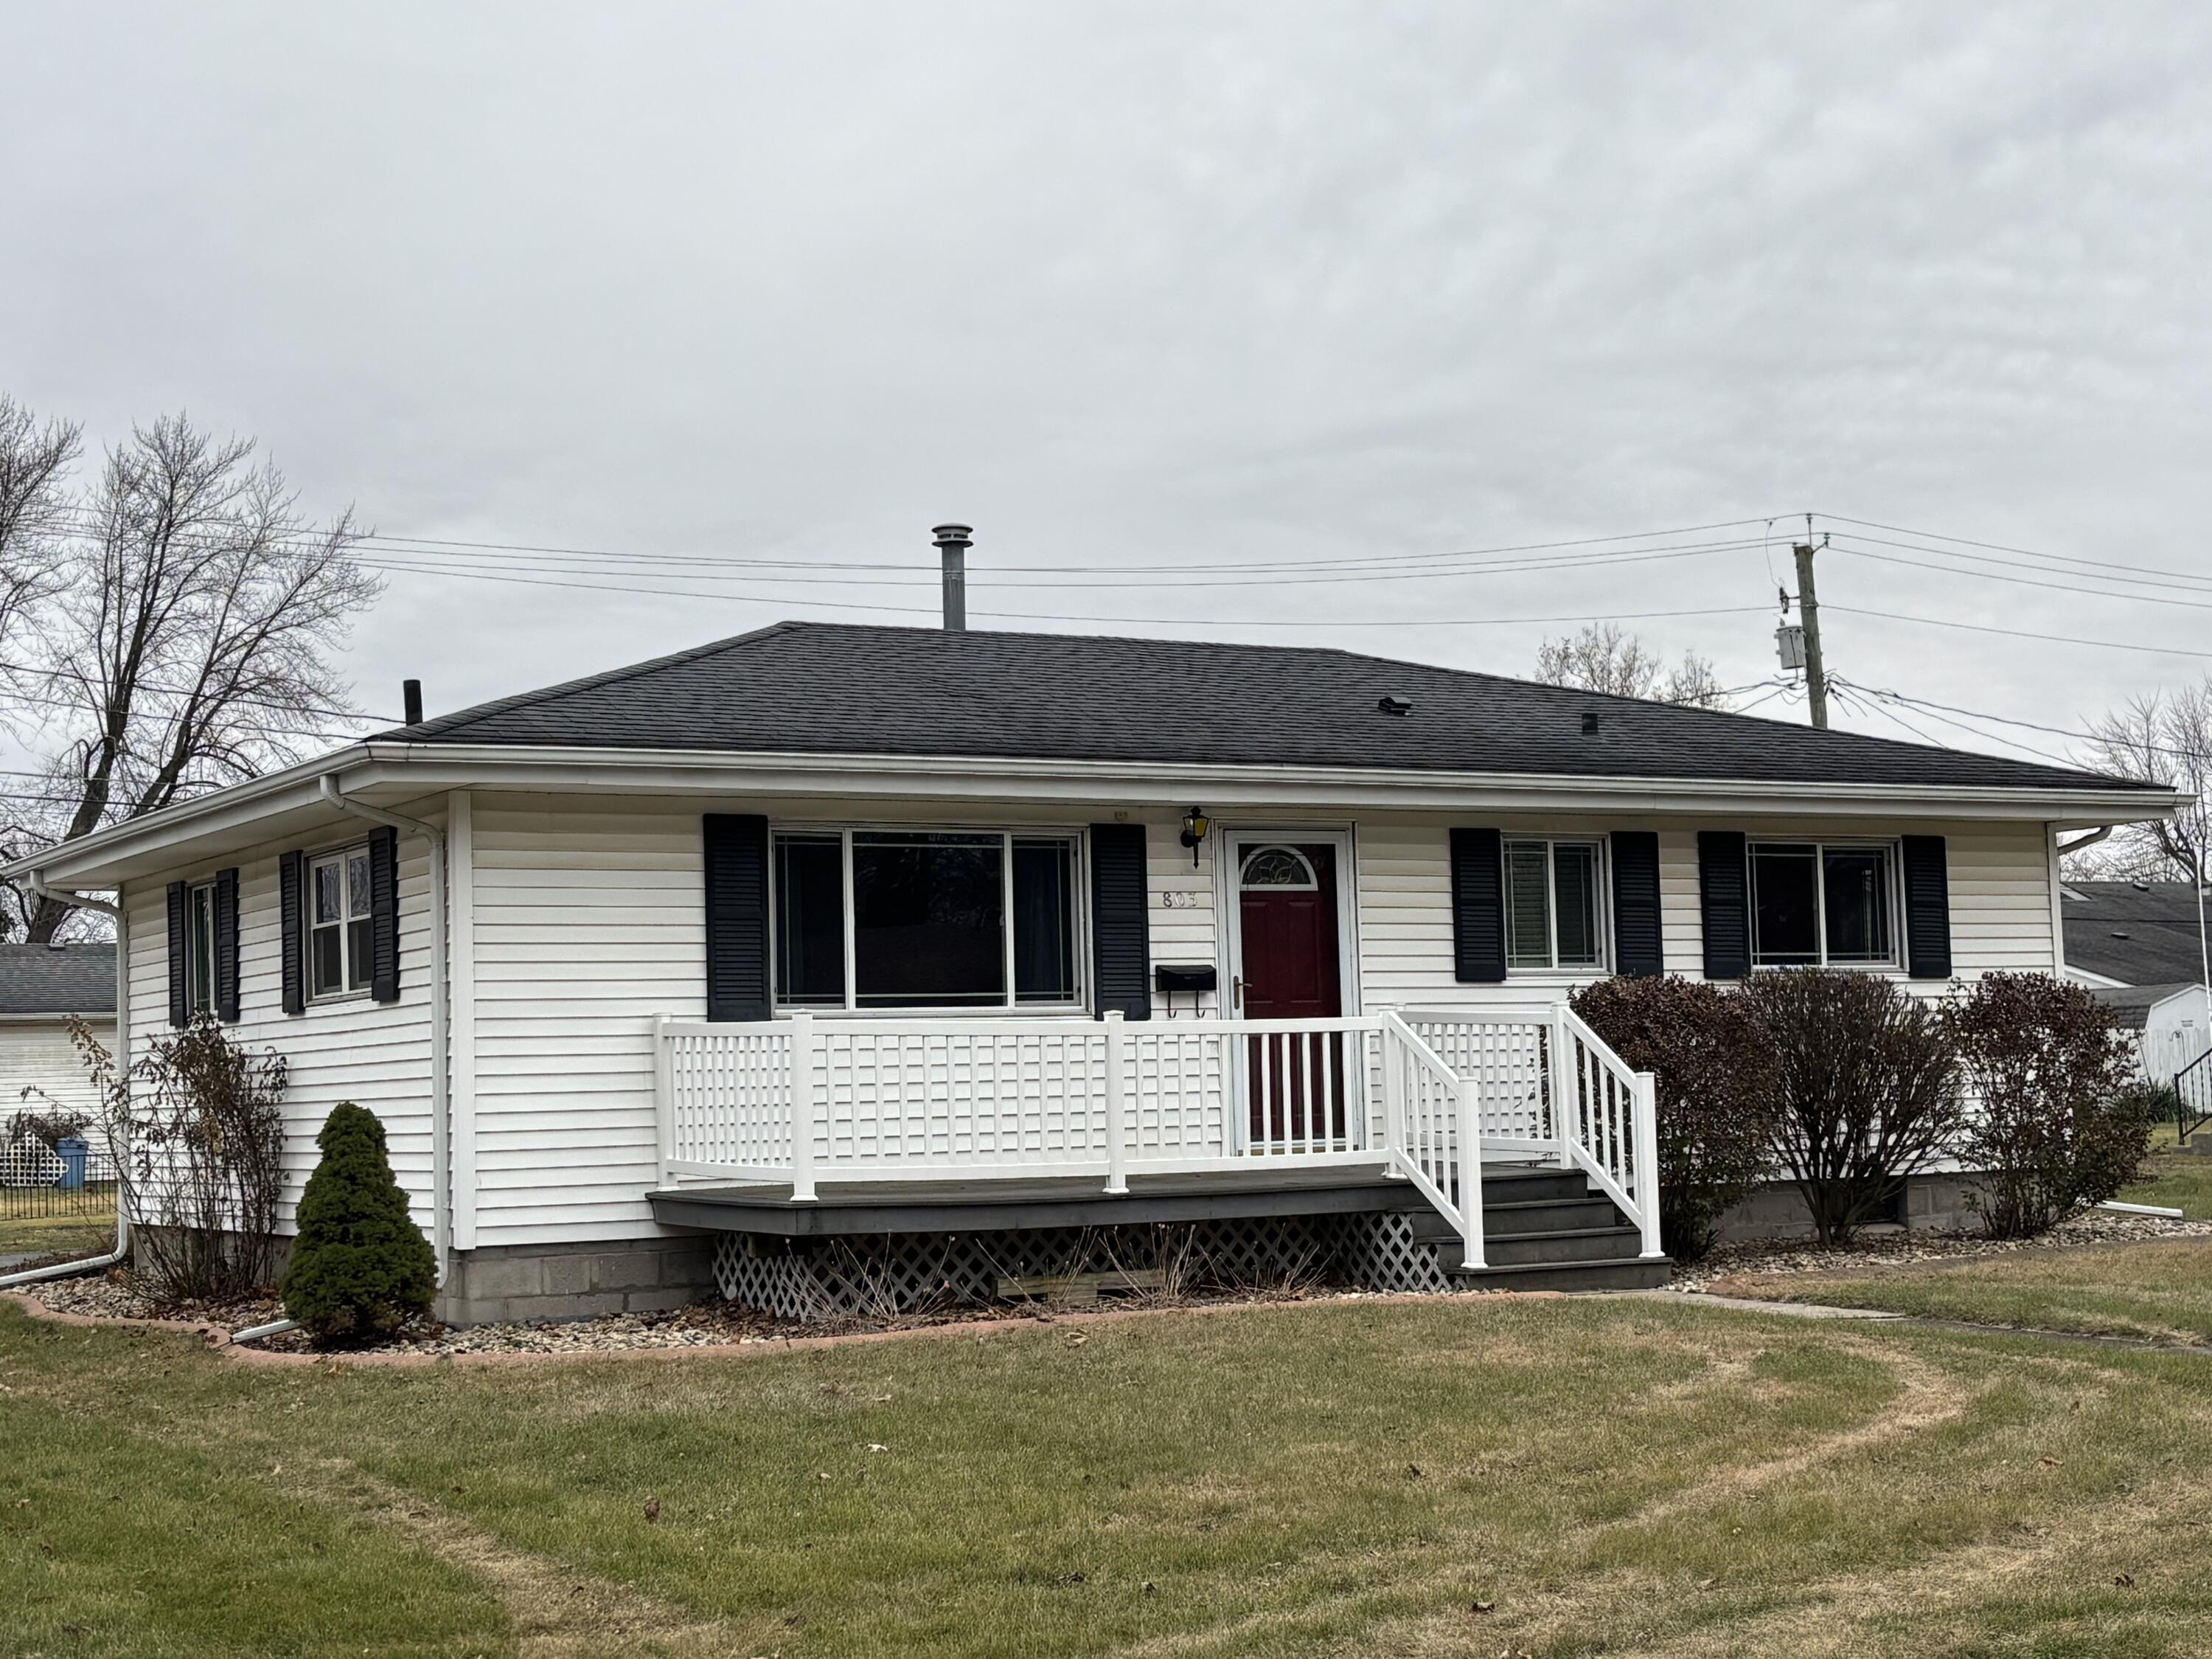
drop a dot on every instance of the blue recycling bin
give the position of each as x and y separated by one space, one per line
73 1151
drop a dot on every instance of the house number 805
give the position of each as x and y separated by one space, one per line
1179 901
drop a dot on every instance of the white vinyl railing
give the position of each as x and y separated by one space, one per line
1423 1095
1549 1087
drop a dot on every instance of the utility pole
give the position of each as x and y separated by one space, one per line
1808 613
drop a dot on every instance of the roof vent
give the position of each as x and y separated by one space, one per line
411 699
953 541
1590 722
1395 705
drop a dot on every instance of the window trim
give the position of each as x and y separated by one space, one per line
308 861
1892 857
1078 920
1601 903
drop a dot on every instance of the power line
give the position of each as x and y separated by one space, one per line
2028 581
90 524
2015 632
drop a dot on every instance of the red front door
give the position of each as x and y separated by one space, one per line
1290 970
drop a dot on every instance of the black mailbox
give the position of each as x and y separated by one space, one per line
1192 978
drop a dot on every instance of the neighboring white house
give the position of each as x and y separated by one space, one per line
2137 945
40 986
826 950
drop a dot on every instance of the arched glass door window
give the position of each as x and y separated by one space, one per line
1284 868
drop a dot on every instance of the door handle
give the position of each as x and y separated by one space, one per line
1237 990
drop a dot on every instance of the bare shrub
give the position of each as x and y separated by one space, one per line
1868 1088
2055 1123
196 1129
1715 1070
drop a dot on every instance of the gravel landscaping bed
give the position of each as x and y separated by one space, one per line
1767 1258
703 1324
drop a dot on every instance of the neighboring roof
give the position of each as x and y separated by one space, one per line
2131 1004
2137 932
819 687
56 979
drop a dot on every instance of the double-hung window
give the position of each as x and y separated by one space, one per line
200 948
1816 904
925 918
1553 912
338 933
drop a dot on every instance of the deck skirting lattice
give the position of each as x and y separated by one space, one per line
878 1275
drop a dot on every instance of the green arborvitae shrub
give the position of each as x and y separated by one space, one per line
360 1267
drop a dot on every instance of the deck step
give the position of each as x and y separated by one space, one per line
1545 1215
1512 1186
1569 1244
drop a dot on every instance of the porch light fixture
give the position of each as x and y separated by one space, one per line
1195 825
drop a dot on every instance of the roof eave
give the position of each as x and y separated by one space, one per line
421 769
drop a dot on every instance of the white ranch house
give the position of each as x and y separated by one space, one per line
828 961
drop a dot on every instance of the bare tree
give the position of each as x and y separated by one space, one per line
35 462
2165 738
187 638
1603 659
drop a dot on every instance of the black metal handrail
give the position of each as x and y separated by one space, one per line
2192 1084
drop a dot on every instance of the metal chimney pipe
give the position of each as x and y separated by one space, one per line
952 543
410 702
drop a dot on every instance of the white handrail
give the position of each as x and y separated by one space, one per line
1607 1119
1431 1115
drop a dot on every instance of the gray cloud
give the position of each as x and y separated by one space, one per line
1142 283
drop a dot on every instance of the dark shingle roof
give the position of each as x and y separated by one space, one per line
50 979
2137 933
817 687
2131 1004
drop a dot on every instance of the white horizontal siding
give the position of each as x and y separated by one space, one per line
375 1055
40 1070
589 921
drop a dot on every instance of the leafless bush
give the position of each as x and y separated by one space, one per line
1868 1087
196 1130
2055 1125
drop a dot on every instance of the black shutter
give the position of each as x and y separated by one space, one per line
291 868
1724 897
383 914
226 946
1477 887
1121 928
1927 909
1638 951
180 946
736 848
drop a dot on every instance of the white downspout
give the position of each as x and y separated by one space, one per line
440 1061
94 1264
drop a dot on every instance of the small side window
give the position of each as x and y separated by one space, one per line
339 907
200 963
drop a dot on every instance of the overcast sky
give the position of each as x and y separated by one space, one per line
1163 284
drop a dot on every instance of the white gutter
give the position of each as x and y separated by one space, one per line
95 1264
440 1060
425 768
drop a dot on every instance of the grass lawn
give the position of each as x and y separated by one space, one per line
1465 1478
2179 1179
72 1235
2161 1291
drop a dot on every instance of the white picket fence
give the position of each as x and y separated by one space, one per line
805 1100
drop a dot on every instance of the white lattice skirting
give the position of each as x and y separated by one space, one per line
879 1274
